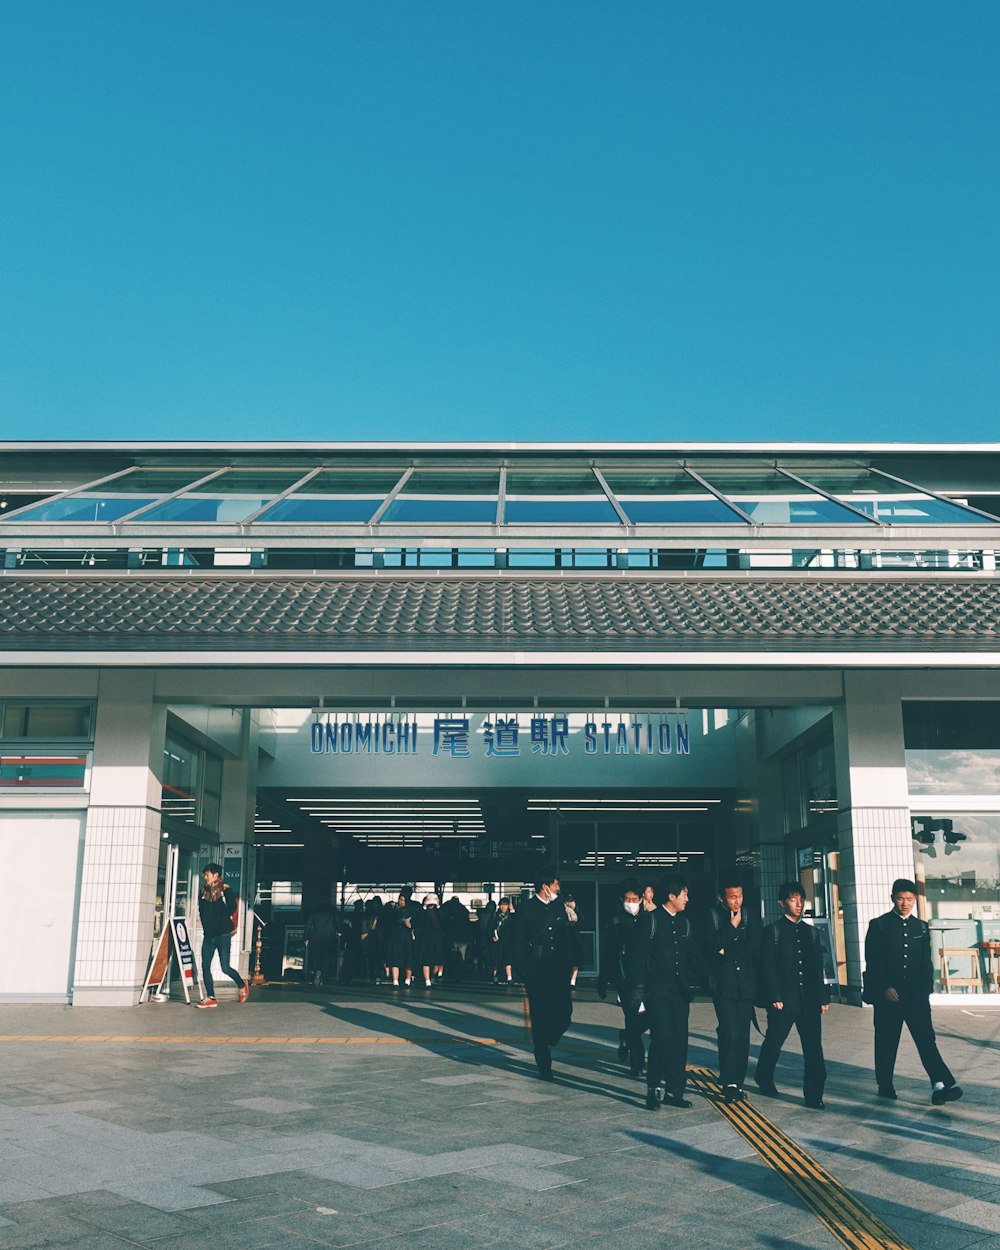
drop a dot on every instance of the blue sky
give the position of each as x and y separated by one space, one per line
388 220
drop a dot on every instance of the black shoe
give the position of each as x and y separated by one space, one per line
730 1093
670 1101
815 1104
951 1093
635 1074
768 1089
886 1091
545 1074
652 1100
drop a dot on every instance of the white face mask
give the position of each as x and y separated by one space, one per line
632 908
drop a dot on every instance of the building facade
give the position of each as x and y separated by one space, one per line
340 667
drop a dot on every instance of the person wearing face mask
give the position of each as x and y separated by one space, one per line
732 948
616 941
543 958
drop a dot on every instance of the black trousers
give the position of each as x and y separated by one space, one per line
667 1013
808 1022
636 1023
550 1005
915 1013
733 1016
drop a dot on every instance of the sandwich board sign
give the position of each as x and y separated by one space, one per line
174 941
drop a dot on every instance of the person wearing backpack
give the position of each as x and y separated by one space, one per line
732 949
899 978
792 987
663 963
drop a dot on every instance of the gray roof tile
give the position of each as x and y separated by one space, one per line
410 612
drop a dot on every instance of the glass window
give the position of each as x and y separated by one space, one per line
668 497
47 720
957 869
888 501
225 500
770 498
565 510
540 498
180 780
336 495
42 772
122 495
950 724
438 509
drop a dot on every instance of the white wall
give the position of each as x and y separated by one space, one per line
40 865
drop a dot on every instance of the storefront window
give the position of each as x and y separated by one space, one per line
192 783
53 721
957 867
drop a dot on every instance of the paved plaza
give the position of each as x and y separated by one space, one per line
417 1121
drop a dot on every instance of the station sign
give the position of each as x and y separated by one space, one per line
500 737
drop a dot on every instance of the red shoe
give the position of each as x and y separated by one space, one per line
208 1002
244 992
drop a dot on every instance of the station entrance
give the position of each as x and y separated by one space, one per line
331 849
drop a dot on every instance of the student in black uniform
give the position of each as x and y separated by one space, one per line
616 944
663 963
543 958
899 979
732 948
792 986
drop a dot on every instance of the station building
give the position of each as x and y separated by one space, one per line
341 667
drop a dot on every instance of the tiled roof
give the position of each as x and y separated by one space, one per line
570 613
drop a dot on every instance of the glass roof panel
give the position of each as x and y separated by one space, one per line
680 510
116 498
660 482
450 482
582 482
83 507
311 509
226 500
565 510
915 509
440 508
368 482
770 498
887 501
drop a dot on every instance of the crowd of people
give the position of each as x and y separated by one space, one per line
653 957
404 943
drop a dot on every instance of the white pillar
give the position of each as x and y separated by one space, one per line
874 814
122 842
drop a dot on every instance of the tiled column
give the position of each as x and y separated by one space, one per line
122 843
874 814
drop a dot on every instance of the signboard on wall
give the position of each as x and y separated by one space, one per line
498 737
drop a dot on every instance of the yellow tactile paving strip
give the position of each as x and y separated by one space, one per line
441 1039
849 1220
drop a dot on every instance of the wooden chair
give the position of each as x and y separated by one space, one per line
970 954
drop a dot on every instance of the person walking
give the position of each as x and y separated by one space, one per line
218 907
543 958
899 978
793 988
620 932
732 948
664 962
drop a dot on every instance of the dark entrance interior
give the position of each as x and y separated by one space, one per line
322 846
